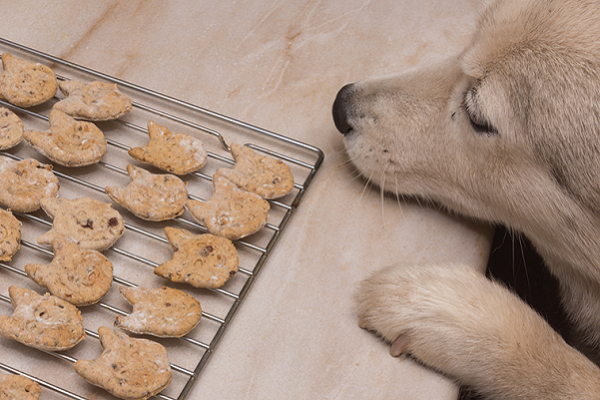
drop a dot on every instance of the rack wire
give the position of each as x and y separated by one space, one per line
144 245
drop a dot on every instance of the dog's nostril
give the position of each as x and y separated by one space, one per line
340 110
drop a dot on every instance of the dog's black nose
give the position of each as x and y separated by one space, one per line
340 110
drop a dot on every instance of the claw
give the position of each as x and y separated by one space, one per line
399 346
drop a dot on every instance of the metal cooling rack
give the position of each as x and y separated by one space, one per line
144 246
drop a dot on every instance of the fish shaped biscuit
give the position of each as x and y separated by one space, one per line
44 322
10 235
26 84
93 101
69 142
152 197
11 129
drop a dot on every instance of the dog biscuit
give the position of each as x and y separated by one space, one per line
90 223
231 212
152 197
128 368
81 277
162 312
26 84
44 322
18 387
25 183
11 129
176 153
204 261
267 176
10 235
93 101
69 142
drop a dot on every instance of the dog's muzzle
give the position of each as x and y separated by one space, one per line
340 110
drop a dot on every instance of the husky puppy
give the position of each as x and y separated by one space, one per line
507 131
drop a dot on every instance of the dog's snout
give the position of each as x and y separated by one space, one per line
340 110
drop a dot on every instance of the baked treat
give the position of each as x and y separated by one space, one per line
162 312
176 153
231 212
152 197
69 142
44 322
267 176
128 368
205 261
26 84
90 223
11 129
18 387
81 277
93 101
25 183
10 235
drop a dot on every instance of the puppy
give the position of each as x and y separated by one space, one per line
507 131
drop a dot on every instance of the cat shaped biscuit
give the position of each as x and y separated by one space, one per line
26 84
11 129
18 387
10 235
93 101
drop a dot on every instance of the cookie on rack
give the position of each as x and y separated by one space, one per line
162 312
176 153
267 176
69 142
93 101
11 129
231 212
90 223
81 277
25 183
204 261
43 322
26 84
152 197
128 368
18 387
10 235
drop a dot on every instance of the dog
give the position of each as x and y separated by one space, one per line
507 131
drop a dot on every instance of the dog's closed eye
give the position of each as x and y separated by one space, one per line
478 121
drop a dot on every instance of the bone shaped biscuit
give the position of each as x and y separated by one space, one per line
176 153
10 235
25 183
231 212
128 368
205 261
81 277
26 84
162 312
90 223
11 129
153 197
18 387
44 322
267 176
93 101
69 142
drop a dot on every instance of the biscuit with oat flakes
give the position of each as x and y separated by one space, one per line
26 84
203 261
162 312
176 153
11 129
10 235
18 387
43 322
128 368
93 101
152 197
90 223
267 176
81 277
231 212
25 183
69 142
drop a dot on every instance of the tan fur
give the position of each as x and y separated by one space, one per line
532 73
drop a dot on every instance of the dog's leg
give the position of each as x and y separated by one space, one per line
457 321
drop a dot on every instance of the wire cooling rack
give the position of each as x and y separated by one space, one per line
144 245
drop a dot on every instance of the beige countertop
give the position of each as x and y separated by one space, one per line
278 65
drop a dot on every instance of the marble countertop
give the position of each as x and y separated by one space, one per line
278 65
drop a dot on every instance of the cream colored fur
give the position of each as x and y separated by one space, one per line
508 131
